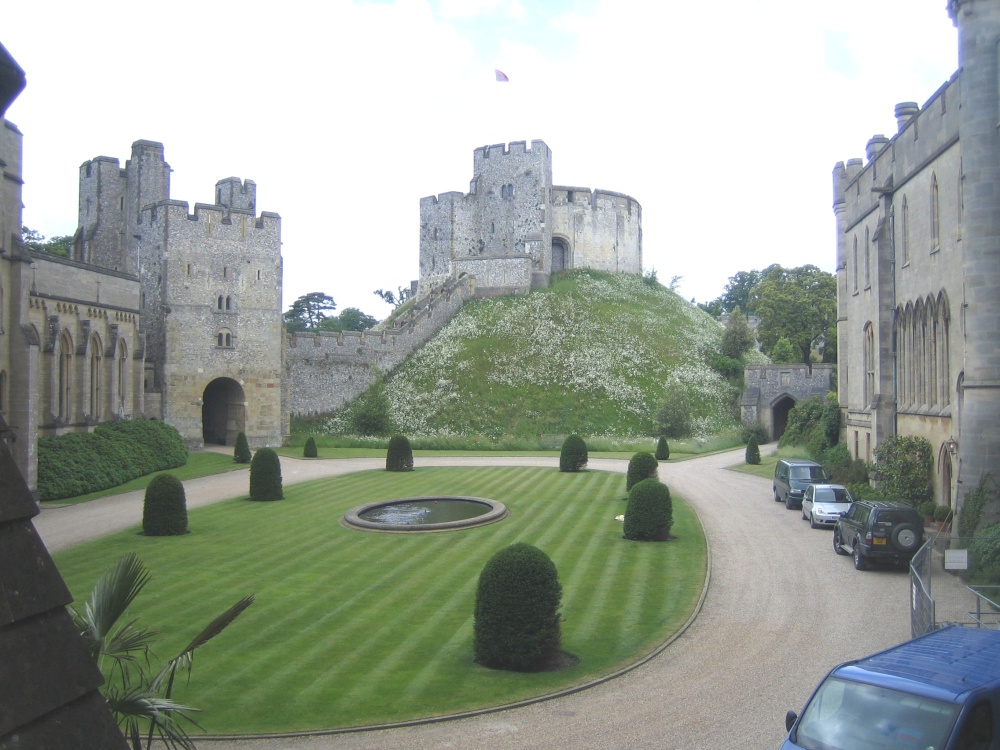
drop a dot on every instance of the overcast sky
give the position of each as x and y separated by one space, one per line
723 119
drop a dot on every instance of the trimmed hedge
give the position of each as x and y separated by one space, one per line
241 454
113 454
399 456
573 455
662 449
649 514
516 623
164 507
265 476
640 466
309 451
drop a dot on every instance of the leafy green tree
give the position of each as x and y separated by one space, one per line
903 468
649 514
799 304
573 455
309 311
350 319
397 298
139 699
61 245
674 420
516 621
370 414
782 353
739 337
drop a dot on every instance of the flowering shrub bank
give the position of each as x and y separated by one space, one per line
593 354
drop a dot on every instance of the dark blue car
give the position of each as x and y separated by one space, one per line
938 692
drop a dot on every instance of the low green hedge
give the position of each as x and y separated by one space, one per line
114 453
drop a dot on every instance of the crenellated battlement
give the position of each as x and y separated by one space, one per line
209 213
516 149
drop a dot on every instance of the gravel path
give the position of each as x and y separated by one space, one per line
781 610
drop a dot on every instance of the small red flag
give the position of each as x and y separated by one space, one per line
502 77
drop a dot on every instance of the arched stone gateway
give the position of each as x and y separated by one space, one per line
223 411
770 392
560 255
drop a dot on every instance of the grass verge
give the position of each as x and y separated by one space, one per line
354 628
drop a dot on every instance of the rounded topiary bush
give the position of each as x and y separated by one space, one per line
640 466
399 457
752 455
573 456
164 508
309 451
662 449
516 624
241 454
265 476
649 513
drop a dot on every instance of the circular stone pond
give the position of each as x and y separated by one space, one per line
438 513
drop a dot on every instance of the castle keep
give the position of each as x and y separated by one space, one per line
514 228
918 270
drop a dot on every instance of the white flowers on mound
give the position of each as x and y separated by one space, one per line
604 341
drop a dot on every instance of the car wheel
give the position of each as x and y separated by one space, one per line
812 522
859 560
804 516
836 542
777 498
905 537
788 503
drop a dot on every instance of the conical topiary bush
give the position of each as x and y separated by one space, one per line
573 456
309 451
662 449
640 466
241 454
164 508
399 457
265 476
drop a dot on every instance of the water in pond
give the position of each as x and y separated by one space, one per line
420 512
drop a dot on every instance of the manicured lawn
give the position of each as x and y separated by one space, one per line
355 628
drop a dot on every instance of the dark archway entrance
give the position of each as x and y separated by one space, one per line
560 255
223 412
779 416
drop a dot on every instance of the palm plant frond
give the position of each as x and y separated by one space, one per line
141 711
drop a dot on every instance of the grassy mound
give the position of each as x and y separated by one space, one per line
594 354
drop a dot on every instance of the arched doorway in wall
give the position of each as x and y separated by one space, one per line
779 416
560 255
223 412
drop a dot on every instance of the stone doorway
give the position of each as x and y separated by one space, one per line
779 416
223 412
560 255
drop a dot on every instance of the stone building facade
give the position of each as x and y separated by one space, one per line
770 392
918 270
514 228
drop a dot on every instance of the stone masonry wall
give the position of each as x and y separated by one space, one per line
327 370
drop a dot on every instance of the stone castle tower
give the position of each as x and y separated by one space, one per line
514 228
210 294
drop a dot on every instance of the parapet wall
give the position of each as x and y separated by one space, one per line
327 370
603 229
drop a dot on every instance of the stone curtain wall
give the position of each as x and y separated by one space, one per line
327 370
766 384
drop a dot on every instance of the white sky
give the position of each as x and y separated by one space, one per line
723 119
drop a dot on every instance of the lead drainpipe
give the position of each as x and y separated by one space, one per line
895 327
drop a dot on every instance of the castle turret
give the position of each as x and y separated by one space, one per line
978 23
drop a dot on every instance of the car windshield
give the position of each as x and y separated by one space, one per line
833 495
845 715
815 473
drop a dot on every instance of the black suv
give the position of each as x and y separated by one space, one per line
878 531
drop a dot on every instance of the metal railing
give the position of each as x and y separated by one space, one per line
941 592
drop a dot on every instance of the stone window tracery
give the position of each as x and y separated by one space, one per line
95 379
935 215
869 364
856 269
224 339
906 233
121 380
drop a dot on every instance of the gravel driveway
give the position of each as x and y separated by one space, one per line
781 609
